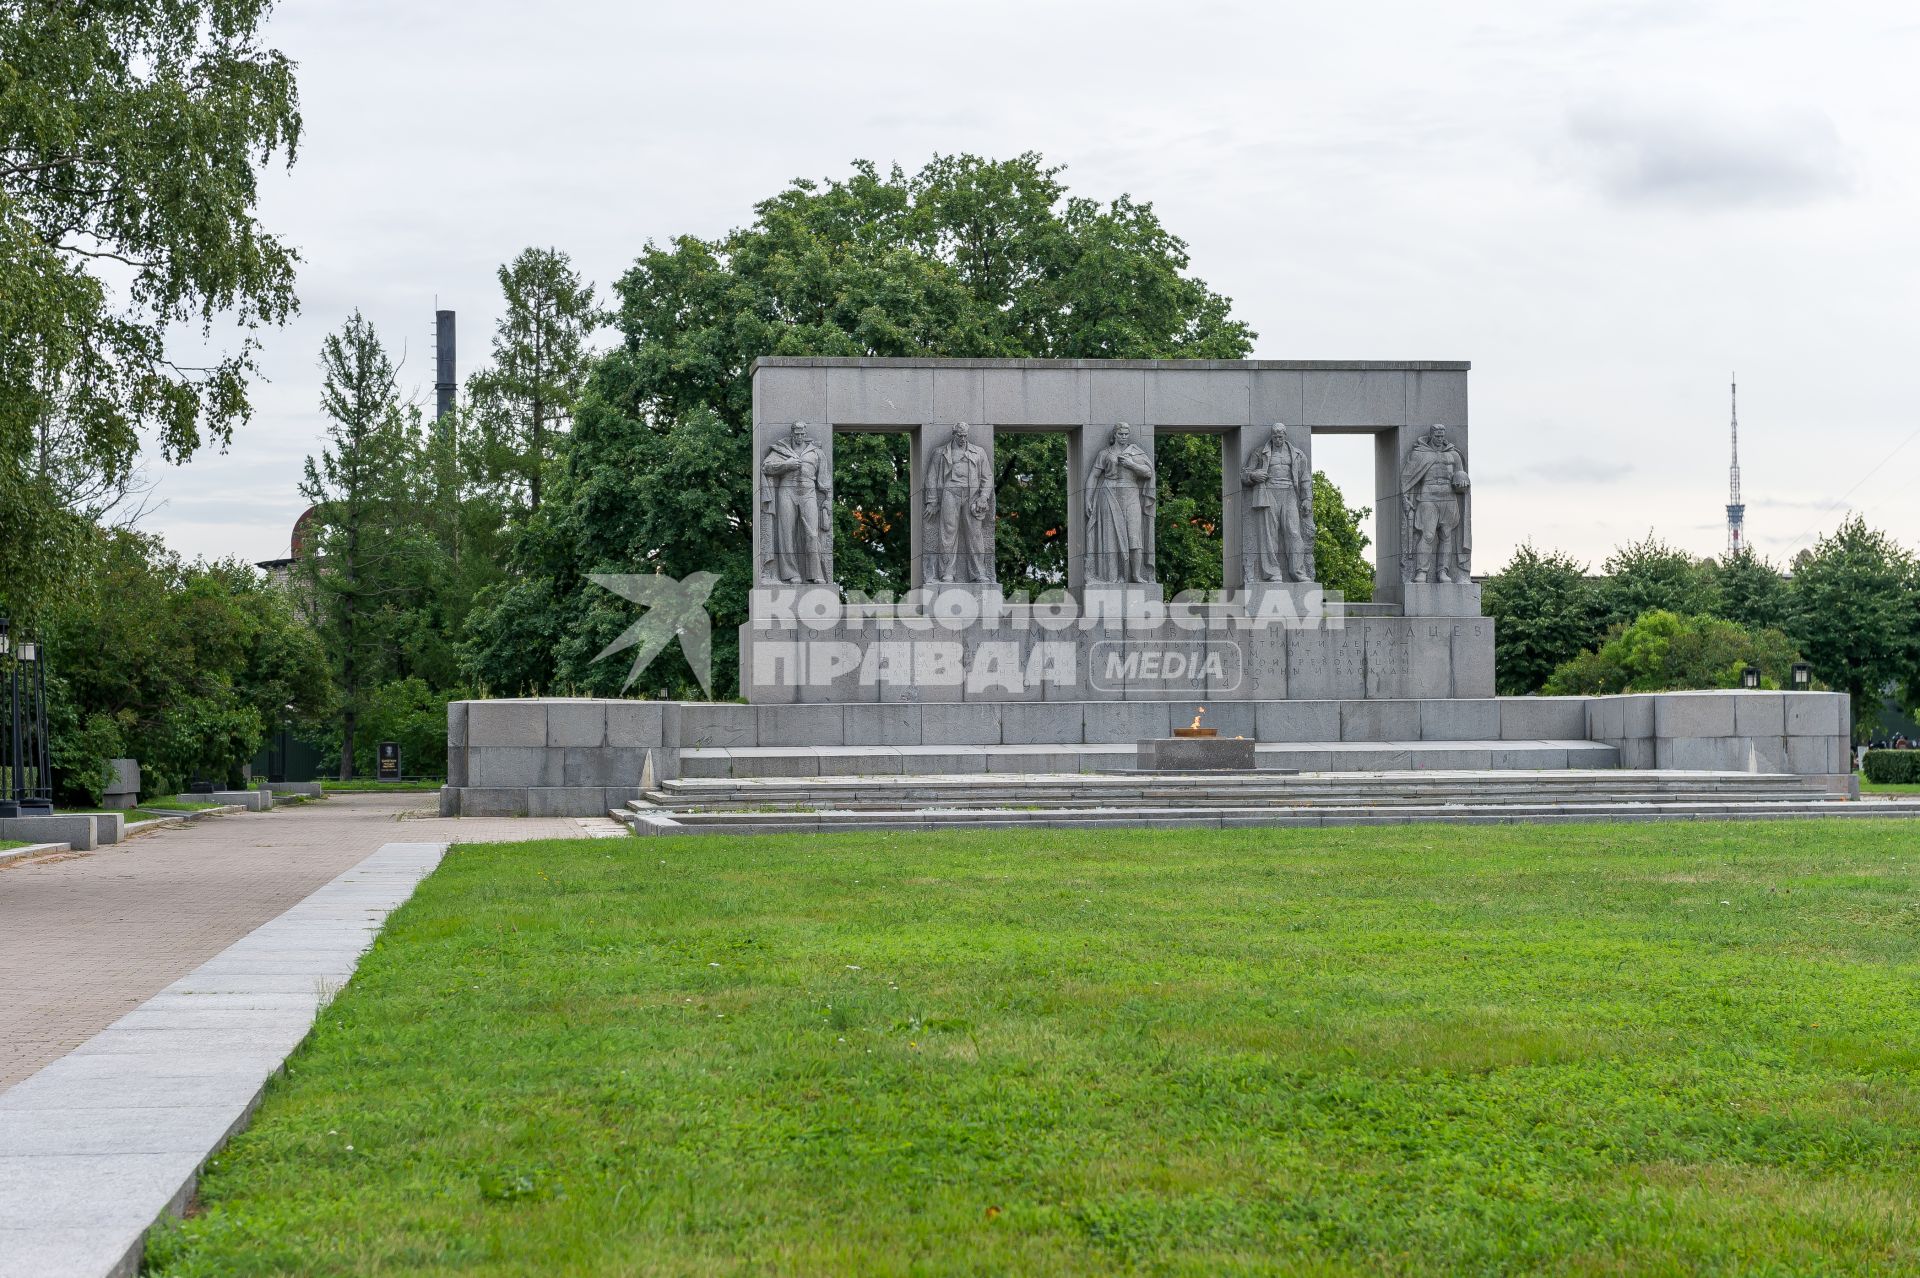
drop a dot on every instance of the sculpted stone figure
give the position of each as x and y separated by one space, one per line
1433 488
796 501
1279 543
959 511
1120 499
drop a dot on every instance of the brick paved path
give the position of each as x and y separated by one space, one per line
86 937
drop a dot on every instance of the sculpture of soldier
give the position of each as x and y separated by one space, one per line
796 500
959 511
1120 501
1279 511
1434 493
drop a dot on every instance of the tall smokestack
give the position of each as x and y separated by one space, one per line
443 383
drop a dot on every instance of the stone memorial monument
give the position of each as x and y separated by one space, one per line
953 676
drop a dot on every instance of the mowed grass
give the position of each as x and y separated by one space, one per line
1594 1050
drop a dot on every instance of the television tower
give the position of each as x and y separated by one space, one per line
1736 508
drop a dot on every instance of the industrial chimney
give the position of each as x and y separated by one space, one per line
443 383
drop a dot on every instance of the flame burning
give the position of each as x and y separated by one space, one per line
1197 712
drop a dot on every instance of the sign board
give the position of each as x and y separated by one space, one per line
388 765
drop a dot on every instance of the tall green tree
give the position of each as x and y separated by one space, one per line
1545 612
1650 573
372 557
967 257
131 139
1752 592
524 400
1856 614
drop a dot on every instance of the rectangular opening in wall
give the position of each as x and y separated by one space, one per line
1031 493
1187 526
1344 519
872 535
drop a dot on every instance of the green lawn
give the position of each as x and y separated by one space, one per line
1889 787
1595 1049
175 805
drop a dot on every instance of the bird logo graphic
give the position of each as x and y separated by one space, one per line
675 609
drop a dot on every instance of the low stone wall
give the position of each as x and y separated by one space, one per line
1807 733
582 757
82 831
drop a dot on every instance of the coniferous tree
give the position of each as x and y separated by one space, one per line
524 401
372 560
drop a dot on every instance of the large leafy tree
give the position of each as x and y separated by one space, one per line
1662 651
131 135
967 257
1752 592
1856 613
187 668
1650 573
373 557
524 400
1545 612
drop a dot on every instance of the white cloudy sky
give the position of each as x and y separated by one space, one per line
1606 207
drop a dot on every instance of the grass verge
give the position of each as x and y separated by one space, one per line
1671 1048
175 805
1889 787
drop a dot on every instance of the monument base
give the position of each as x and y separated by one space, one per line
1440 599
1284 602
1196 754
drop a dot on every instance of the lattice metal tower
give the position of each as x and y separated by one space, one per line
1736 506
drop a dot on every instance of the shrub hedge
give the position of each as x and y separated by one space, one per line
1893 767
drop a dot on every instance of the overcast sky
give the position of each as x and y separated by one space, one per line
1606 207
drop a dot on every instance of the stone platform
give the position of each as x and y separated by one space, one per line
582 757
1229 801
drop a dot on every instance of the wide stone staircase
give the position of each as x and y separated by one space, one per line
765 805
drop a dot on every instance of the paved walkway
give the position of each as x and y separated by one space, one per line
86 937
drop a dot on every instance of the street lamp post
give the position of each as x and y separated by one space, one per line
1802 676
37 799
1750 677
11 778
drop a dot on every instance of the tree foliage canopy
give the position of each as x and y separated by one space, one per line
1545 612
967 257
1661 651
185 667
523 401
1856 613
130 138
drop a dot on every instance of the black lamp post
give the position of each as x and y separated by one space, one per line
1750 677
1802 676
12 781
31 754
286 745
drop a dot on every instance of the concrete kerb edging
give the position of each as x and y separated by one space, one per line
99 1145
33 849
